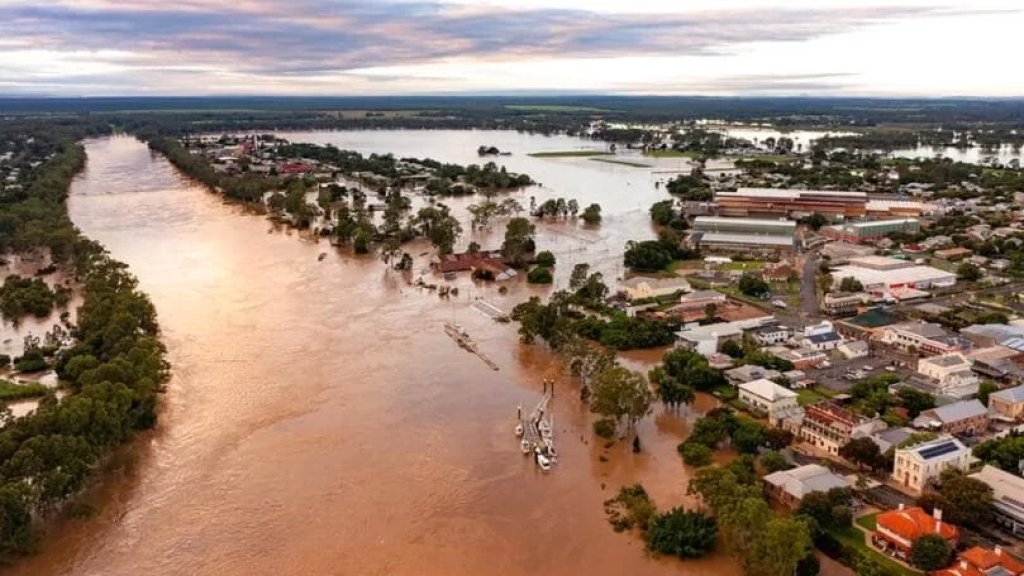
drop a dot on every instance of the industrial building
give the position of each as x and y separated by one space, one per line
748 234
833 203
870 231
887 276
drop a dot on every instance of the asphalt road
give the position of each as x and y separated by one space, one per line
808 286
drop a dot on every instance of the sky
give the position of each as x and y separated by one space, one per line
885 48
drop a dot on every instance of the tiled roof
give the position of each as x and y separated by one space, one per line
912 523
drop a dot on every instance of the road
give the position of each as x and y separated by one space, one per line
808 285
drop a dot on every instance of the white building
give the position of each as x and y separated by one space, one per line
882 276
771 334
952 371
790 486
916 465
854 349
707 339
777 402
1007 497
923 337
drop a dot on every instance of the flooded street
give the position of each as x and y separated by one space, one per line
319 421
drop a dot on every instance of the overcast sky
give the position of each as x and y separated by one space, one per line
361 47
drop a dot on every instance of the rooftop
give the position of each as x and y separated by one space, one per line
752 239
955 412
953 360
745 221
922 329
801 481
1007 489
908 275
936 448
1014 395
768 390
912 523
792 194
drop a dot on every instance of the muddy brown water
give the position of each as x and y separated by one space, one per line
319 421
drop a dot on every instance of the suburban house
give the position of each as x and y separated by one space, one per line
493 262
699 299
980 561
765 396
896 530
1007 404
828 426
822 342
1007 498
916 465
966 417
788 487
770 334
923 337
643 287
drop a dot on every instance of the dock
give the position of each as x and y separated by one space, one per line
536 430
462 338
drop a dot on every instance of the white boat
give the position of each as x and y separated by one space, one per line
524 446
543 462
519 430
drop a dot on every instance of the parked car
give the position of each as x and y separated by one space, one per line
779 304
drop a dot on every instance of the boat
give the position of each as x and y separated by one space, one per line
524 445
321 257
543 462
519 430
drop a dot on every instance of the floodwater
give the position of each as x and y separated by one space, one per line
971 154
319 421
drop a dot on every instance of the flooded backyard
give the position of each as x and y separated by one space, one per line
319 420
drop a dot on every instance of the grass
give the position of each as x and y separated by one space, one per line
806 396
623 162
670 153
12 391
868 521
569 154
743 266
694 264
854 538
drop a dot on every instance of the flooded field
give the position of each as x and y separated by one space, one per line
319 420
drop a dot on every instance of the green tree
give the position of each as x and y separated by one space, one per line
779 547
544 258
986 388
518 244
969 272
967 500
915 401
647 256
710 312
663 213
695 454
850 284
753 285
630 508
682 533
863 452
539 275
774 461
671 391
621 394
579 275
930 552
816 220
592 214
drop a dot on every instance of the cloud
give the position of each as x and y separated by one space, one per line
266 43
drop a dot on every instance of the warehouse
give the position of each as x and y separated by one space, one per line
732 234
870 231
765 201
881 276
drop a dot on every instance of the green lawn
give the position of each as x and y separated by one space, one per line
868 522
622 162
807 396
670 153
569 154
694 264
743 266
854 538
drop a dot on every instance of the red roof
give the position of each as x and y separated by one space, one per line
978 561
912 523
295 168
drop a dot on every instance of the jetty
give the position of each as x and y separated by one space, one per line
536 430
461 337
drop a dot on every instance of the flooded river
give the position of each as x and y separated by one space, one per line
319 421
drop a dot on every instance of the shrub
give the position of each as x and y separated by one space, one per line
540 275
604 427
544 258
695 454
5 361
31 362
686 534
930 552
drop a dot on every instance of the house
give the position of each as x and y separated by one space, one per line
914 466
640 287
921 337
966 417
888 437
707 339
822 342
765 396
828 426
896 530
788 487
852 349
1007 404
770 334
801 358
980 561
749 373
699 299
998 363
1007 498
953 254
781 272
